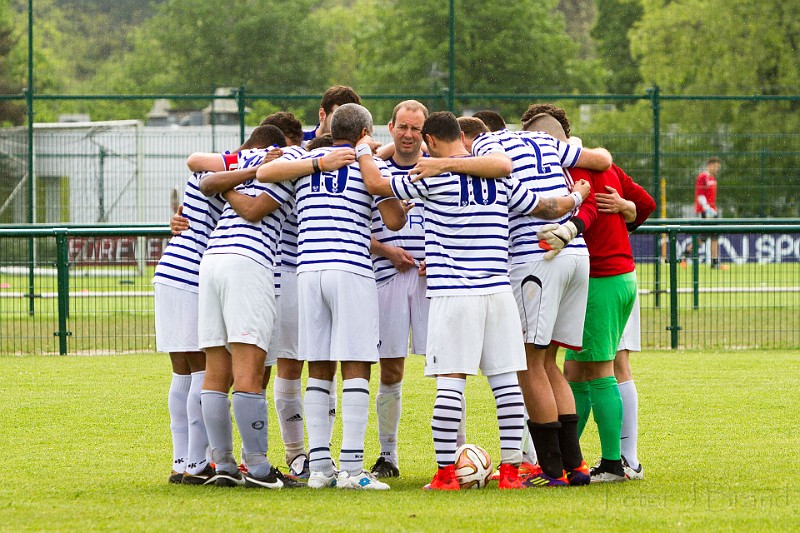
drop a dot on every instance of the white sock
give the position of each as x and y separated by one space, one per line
315 404
252 416
355 413
217 416
629 438
388 405
289 407
198 437
333 399
178 421
461 435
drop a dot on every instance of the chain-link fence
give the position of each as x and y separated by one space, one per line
89 290
130 170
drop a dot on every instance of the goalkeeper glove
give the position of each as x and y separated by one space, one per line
554 237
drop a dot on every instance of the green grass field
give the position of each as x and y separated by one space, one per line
90 450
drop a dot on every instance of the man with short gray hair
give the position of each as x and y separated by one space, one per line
337 295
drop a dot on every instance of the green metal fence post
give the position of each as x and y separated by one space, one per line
31 179
240 100
31 205
655 104
451 83
214 124
762 181
695 271
62 268
674 326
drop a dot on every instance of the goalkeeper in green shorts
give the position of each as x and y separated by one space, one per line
622 206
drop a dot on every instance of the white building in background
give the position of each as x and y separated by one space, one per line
115 172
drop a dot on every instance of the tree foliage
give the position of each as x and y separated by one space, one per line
193 46
11 112
501 47
611 33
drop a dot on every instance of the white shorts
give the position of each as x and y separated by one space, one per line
632 334
471 333
338 316
284 337
176 319
237 301
551 297
403 308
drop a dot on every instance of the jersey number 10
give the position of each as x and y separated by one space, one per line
477 191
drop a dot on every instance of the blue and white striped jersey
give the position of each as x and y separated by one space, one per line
288 243
410 237
334 211
235 235
287 247
466 230
538 160
179 265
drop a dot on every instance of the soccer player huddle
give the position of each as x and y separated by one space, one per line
325 248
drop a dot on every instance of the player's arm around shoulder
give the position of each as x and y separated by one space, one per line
219 182
285 169
205 162
594 159
251 208
491 165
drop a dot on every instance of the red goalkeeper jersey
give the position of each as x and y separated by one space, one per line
606 235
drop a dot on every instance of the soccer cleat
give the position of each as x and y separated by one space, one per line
298 468
445 479
207 476
363 481
541 479
384 468
509 477
274 480
525 469
176 477
607 472
225 479
579 476
318 480
630 473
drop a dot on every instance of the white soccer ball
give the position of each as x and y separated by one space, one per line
473 466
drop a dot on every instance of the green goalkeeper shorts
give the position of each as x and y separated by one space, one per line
608 307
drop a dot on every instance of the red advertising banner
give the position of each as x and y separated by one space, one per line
115 250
